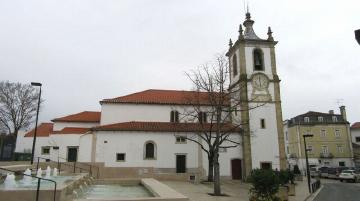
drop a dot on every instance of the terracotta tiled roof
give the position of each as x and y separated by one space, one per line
71 130
43 130
163 127
86 116
168 97
356 125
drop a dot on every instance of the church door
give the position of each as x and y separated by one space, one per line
180 163
236 169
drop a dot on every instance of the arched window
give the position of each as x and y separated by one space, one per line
258 60
234 65
150 150
174 116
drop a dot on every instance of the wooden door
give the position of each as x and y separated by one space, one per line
236 169
180 163
72 154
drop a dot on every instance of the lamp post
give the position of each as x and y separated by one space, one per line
357 35
307 161
37 84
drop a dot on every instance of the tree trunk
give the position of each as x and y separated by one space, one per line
217 187
211 168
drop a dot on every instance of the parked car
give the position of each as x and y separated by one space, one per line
334 172
324 171
314 172
349 175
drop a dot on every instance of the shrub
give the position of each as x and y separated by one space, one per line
265 184
291 176
283 177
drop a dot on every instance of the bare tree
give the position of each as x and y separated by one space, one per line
18 104
213 106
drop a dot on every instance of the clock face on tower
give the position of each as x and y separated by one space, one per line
260 81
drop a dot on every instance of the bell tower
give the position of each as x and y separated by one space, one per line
254 80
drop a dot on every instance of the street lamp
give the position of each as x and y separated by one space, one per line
36 84
307 161
357 35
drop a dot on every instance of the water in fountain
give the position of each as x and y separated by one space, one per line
55 172
75 194
47 172
85 184
39 173
27 179
10 181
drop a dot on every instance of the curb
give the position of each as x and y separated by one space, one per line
313 196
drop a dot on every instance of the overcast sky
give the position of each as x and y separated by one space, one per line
85 51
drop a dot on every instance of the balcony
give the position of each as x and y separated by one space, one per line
326 155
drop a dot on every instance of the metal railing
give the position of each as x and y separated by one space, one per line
315 185
72 166
38 184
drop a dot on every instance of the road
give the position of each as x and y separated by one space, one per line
335 190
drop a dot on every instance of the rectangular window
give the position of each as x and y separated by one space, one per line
45 150
120 157
340 149
320 119
202 117
323 133
324 149
181 139
357 139
265 165
337 133
334 118
341 163
262 123
306 119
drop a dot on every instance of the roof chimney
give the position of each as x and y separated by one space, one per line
331 111
343 112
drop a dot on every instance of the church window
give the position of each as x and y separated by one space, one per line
262 123
234 65
150 150
258 60
180 139
174 116
120 157
202 117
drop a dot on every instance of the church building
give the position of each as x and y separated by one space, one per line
146 134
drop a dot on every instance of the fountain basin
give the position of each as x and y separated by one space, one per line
65 185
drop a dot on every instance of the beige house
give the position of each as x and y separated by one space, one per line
355 134
331 142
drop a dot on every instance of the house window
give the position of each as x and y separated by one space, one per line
45 150
180 139
337 133
120 157
202 117
340 148
149 150
262 123
306 119
265 165
222 150
320 119
309 148
174 116
334 118
258 60
324 149
357 139
323 133
234 63
342 163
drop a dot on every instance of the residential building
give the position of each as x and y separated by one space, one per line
330 144
355 135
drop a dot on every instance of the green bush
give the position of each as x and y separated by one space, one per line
283 177
265 184
291 176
